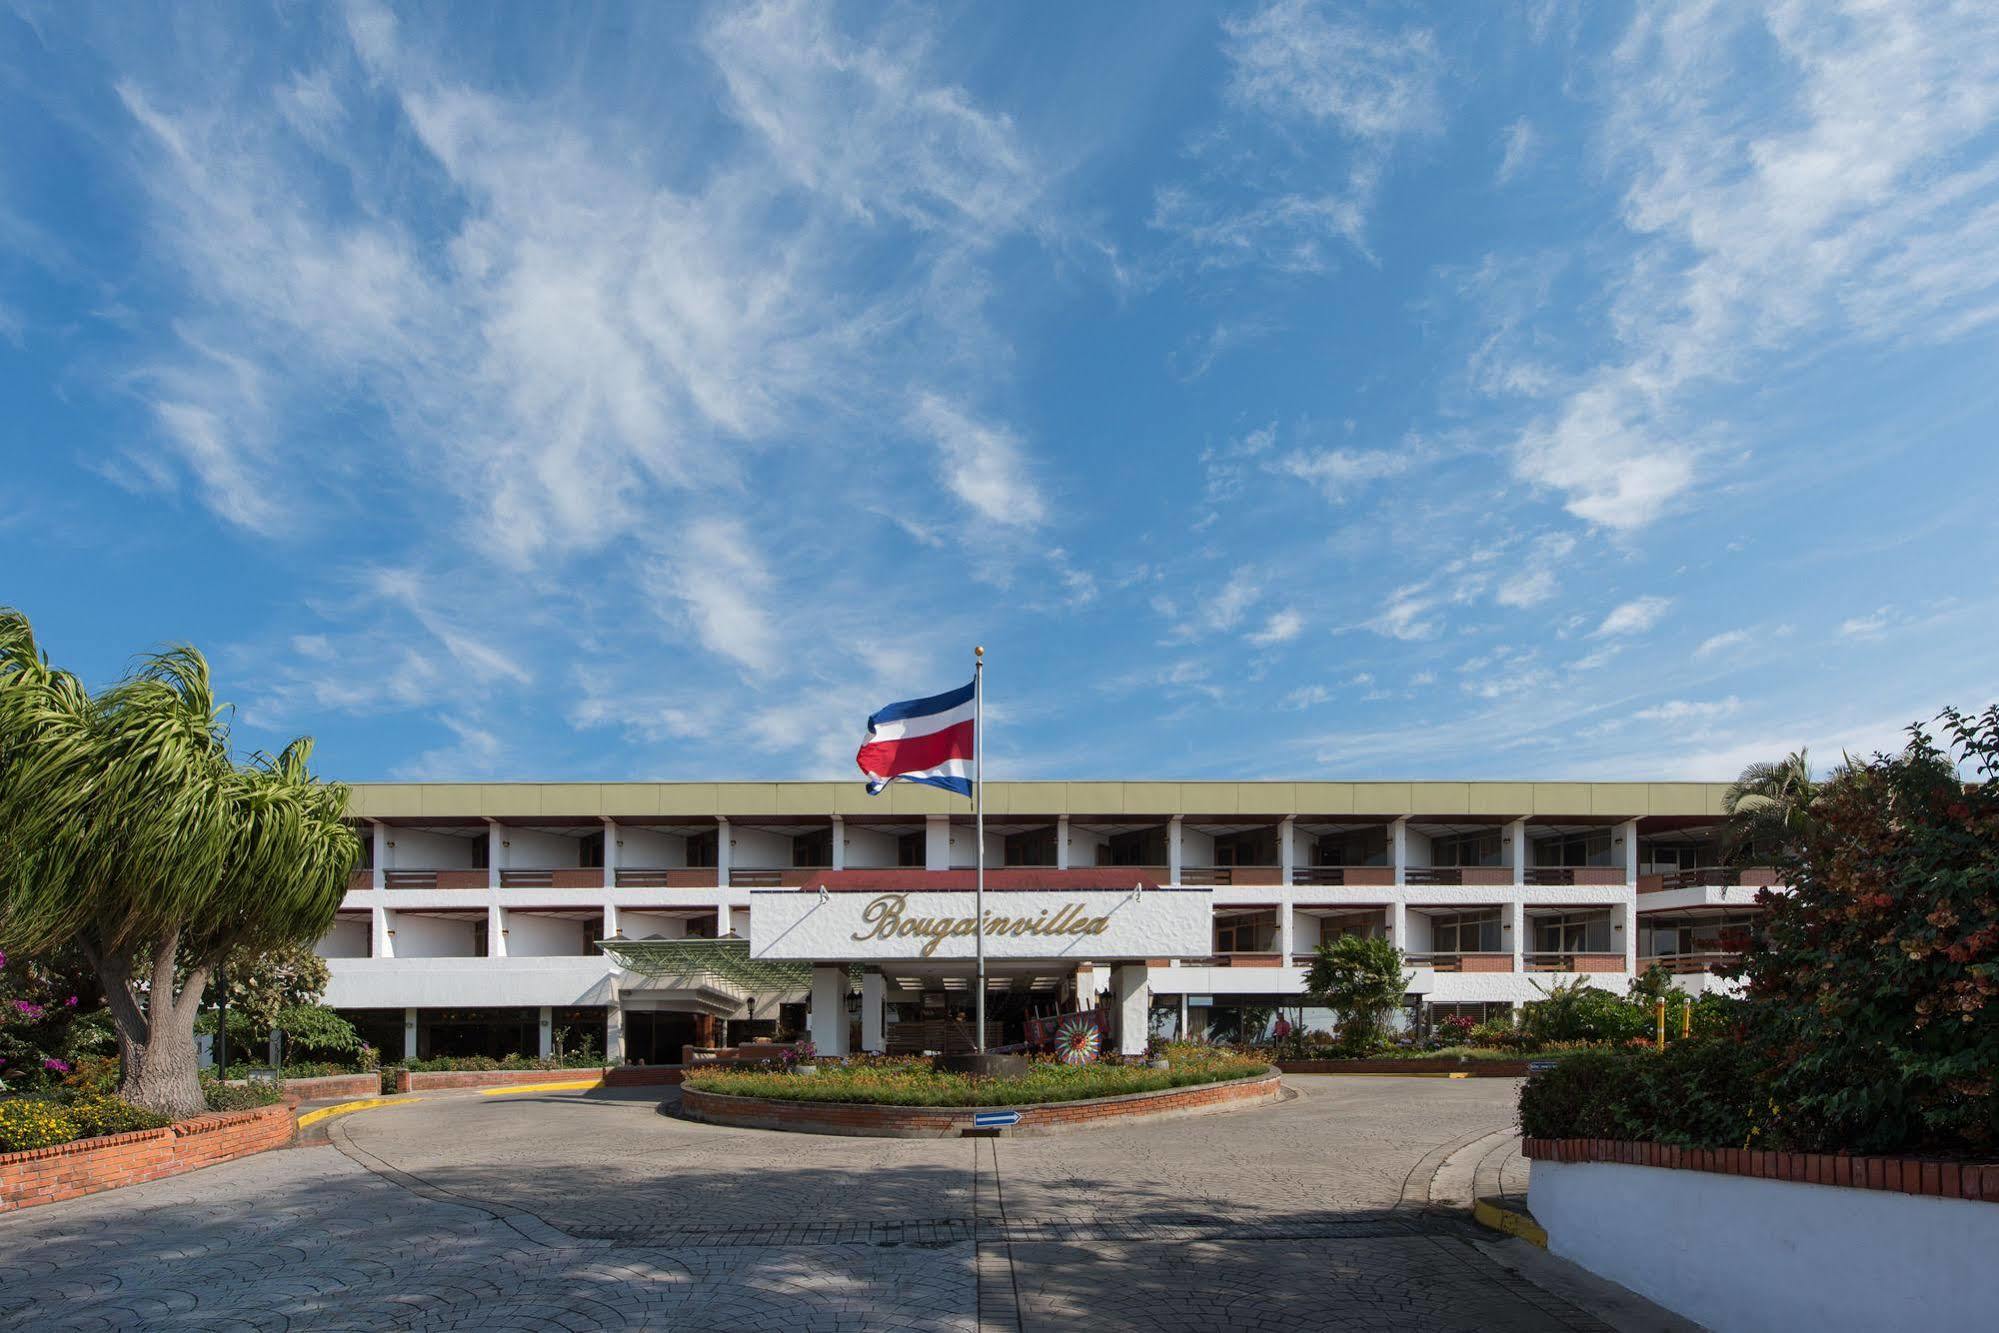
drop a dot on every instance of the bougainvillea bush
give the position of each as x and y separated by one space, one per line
43 1026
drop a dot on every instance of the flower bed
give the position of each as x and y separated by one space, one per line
85 1166
911 1082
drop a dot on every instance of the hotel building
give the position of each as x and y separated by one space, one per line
644 917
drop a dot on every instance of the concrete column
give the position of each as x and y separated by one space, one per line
1516 917
611 857
723 842
1287 855
545 1022
1173 850
1398 925
874 1019
1626 841
409 1034
1516 849
496 852
381 933
496 931
380 838
1061 842
1286 928
722 923
936 842
1133 999
610 920
827 1019
1398 849
1626 915
614 1026
1183 1016
839 843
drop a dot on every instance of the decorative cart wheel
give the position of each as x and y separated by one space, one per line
1078 1041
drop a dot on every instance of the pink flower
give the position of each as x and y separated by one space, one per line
58 1066
71 1002
32 1011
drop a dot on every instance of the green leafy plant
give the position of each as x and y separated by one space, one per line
1710 1093
27 1123
1361 980
240 1096
95 1115
1577 1011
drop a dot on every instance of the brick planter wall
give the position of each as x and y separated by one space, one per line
1473 1068
408 1081
642 1076
948 1122
86 1166
329 1087
1975 1181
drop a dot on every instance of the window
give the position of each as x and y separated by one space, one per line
912 849
1258 847
1362 847
1573 849
1145 847
1465 849
701 849
1465 932
590 852
1254 932
1036 847
812 850
482 851
1655 857
1572 932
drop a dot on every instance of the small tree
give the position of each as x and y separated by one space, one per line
1771 809
1361 980
129 831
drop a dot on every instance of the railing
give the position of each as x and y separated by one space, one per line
358 880
655 877
1575 962
1710 877
436 879
1462 962
948 1035
1574 876
1689 964
566 877
1481 876
1344 876
1227 875
1238 958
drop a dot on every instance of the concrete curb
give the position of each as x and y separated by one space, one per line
1499 1215
320 1113
571 1085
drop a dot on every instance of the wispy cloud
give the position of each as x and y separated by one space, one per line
1282 627
1517 149
1633 617
980 464
1871 626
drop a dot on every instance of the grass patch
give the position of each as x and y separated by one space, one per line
911 1082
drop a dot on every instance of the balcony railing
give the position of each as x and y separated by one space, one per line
1710 877
1482 876
569 877
1223 876
1344 876
358 880
436 879
1558 877
1575 962
658 877
1463 962
1238 958
1689 964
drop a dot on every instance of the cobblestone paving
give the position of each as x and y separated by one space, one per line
598 1212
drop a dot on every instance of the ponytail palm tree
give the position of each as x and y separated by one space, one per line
128 829
1769 808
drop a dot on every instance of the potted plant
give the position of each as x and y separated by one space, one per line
1155 1052
801 1058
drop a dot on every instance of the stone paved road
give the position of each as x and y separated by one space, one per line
597 1211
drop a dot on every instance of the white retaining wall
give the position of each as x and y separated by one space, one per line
1743 1255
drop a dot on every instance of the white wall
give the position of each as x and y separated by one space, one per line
1083 844
869 849
649 849
531 849
347 939
651 925
964 845
417 850
758 849
531 935
1196 848
1421 938
1305 934
1417 847
433 937
1741 1254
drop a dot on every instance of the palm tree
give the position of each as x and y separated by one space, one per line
1769 809
128 830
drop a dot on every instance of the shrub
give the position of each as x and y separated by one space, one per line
1362 981
27 1123
911 1082
1578 1011
94 1115
1710 1094
240 1096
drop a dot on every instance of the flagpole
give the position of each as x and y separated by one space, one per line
979 831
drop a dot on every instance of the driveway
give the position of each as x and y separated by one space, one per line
599 1210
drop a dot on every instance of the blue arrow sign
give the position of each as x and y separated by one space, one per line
1540 1066
994 1119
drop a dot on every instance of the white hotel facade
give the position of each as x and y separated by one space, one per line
479 922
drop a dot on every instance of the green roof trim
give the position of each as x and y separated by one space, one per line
724 960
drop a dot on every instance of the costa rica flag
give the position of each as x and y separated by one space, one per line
922 740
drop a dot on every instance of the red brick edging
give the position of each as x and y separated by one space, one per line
442 1079
940 1122
642 1076
326 1087
1975 1181
1473 1068
86 1166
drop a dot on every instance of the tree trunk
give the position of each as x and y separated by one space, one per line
166 1078
160 1070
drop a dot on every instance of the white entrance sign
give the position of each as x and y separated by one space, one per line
1074 923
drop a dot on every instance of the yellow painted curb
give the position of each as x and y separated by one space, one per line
346 1108
1356 1073
1489 1214
542 1087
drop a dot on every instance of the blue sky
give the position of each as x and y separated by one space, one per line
1288 390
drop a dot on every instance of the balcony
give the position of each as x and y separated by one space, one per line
1690 964
1562 877
1480 876
570 878
1238 959
1462 962
1710 877
1334 877
1224 876
435 879
360 881
661 877
1575 962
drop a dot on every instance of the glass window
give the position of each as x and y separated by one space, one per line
1254 932
1466 932
1574 932
1466 849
